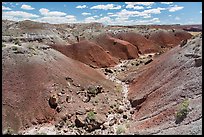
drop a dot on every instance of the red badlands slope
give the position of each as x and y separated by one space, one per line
88 53
168 39
119 49
143 44
29 79
158 89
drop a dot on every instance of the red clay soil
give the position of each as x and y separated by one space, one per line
27 82
117 48
140 42
168 39
88 53
162 84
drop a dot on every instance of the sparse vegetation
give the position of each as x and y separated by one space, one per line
3 45
120 130
9 131
182 111
118 88
17 42
31 47
92 90
41 133
91 115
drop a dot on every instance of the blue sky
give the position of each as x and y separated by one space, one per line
109 13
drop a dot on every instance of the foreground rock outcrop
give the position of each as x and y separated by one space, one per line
31 74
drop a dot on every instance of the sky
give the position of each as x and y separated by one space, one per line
108 13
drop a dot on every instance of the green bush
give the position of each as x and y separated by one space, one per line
9 131
41 133
17 42
118 88
3 45
120 130
182 111
91 115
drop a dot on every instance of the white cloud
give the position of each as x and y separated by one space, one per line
140 3
86 13
110 13
105 20
89 19
5 8
27 7
46 12
166 2
154 11
96 16
201 11
58 20
177 18
107 7
18 15
134 7
175 8
21 14
170 15
81 6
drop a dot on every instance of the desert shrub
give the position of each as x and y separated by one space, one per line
17 42
182 111
31 47
3 45
9 131
91 115
118 88
41 133
92 90
120 130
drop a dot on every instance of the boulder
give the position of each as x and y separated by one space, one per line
53 101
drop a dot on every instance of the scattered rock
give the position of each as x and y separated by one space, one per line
68 98
121 109
125 116
59 94
53 101
65 130
148 61
132 111
63 91
80 111
191 55
96 123
58 108
80 120
69 79
108 70
138 101
198 62
86 98
112 121
183 42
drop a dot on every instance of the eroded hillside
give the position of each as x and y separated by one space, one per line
95 79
